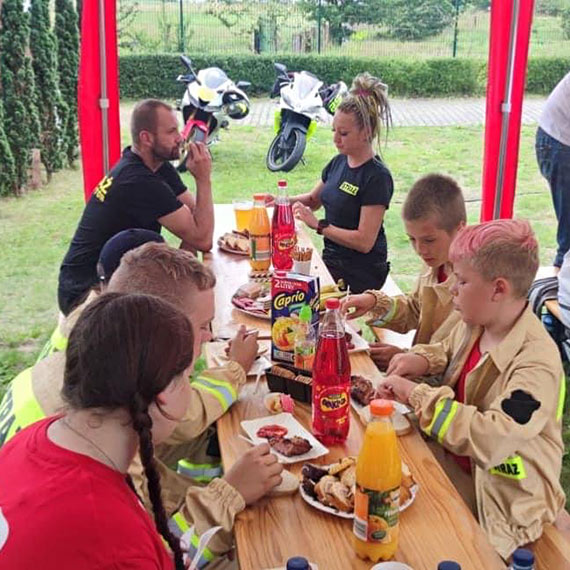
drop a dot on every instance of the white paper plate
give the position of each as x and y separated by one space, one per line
332 511
360 345
293 428
364 411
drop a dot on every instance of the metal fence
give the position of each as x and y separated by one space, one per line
309 26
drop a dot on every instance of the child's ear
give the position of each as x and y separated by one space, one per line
502 288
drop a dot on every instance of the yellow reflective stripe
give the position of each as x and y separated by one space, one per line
222 383
206 554
388 316
181 522
511 468
445 411
57 343
19 406
561 398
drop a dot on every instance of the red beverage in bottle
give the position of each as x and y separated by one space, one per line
331 379
283 237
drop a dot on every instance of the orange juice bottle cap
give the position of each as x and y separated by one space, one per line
259 196
381 407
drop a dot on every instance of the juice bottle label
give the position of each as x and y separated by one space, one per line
260 247
332 402
375 514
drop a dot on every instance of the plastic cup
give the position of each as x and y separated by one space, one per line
303 267
242 211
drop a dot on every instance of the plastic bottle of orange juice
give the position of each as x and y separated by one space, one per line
377 495
259 235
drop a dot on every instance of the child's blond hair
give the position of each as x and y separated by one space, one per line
436 196
501 248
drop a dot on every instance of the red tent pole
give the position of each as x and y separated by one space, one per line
98 92
508 53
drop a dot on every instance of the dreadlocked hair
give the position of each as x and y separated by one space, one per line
367 100
124 350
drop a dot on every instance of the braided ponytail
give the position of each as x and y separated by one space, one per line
142 424
367 100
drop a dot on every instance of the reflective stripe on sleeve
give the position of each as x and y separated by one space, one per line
445 410
202 472
178 526
223 391
561 398
56 343
388 316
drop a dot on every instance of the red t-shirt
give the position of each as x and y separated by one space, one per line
61 510
441 275
470 363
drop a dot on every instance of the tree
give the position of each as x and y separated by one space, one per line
418 19
343 15
21 122
8 171
67 39
51 112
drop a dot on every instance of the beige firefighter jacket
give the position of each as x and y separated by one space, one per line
428 308
516 465
213 391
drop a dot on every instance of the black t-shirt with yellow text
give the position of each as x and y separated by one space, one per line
346 190
131 196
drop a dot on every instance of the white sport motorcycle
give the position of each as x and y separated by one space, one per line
210 99
303 98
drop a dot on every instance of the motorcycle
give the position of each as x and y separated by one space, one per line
303 97
210 99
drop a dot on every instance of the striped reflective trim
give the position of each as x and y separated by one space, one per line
223 391
202 472
19 406
445 410
561 398
207 555
388 316
56 343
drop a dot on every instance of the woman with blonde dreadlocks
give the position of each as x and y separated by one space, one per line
355 190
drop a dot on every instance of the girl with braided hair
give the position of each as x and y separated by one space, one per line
355 190
65 499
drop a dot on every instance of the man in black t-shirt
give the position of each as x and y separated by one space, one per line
143 190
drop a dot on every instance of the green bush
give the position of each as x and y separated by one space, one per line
154 75
565 23
418 19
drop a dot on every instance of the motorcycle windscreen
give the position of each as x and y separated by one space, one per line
303 85
213 77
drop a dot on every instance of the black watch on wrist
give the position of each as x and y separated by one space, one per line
321 225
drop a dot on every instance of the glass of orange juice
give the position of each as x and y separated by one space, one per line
242 211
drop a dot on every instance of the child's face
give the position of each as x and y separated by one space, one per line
429 241
473 295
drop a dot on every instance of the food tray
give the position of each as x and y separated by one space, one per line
297 390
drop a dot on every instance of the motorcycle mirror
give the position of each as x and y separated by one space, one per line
243 84
280 68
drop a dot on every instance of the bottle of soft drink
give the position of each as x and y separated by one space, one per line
331 379
283 237
448 565
259 235
298 563
377 493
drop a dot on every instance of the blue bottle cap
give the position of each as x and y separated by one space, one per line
298 563
523 558
448 565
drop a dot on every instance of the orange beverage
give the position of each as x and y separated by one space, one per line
377 495
242 211
259 235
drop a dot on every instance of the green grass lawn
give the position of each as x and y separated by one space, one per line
35 230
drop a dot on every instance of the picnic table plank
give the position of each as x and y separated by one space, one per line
437 526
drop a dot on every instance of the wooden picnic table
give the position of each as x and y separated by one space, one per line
437 526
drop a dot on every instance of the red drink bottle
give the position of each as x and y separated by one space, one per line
283 237
331 379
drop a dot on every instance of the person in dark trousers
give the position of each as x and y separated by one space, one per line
355 190
553 156
143 190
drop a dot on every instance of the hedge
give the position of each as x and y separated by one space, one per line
154 75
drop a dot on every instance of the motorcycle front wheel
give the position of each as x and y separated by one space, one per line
284 154
196 135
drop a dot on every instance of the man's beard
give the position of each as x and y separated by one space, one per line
161 153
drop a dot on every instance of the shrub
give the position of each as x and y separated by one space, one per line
418 19
565 23
8 170
154 75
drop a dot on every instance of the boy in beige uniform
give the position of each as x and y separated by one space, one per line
500 409
176 276
433 212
